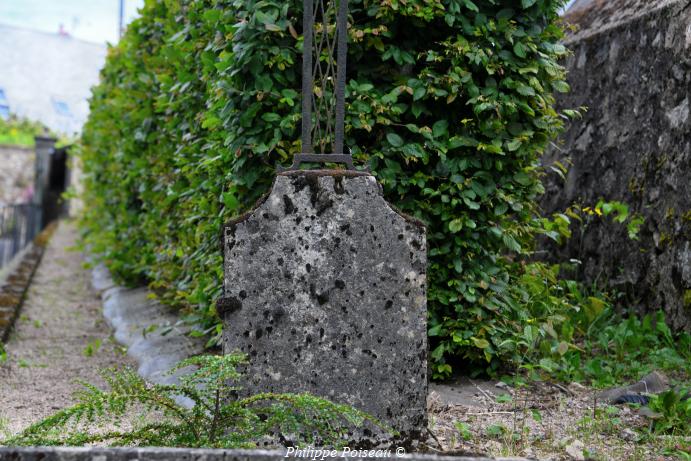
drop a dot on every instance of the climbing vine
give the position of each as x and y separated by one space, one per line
449 102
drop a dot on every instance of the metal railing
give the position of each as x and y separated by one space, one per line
19 225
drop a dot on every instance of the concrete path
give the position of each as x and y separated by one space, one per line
61 337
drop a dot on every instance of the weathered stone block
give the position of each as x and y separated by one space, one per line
325 291
631 66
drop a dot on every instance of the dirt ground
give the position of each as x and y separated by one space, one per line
546 422
60 337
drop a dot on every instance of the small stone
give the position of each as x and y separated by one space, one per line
502 385
629 435
575 450
577 388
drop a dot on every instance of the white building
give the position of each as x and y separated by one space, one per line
47 77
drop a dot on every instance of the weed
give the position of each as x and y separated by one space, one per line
218 418
4 426
92 347
609 350
671 412
496 431
463 430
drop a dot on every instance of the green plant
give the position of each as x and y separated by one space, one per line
606 349
92 347
218 419
3 353
20 132
496 430
449 102
671 412
463 430
4 426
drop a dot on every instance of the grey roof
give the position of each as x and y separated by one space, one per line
48 77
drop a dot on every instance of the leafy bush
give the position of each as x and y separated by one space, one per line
449 102
216 420
20 132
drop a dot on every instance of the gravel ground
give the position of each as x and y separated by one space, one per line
60 338
547 422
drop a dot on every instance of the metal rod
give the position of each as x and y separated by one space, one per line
341 55
307 76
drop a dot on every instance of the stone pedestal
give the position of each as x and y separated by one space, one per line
325 291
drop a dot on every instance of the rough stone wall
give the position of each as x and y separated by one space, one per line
16 173
632 68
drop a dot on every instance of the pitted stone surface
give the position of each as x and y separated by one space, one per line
325 290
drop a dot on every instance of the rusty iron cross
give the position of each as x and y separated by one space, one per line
323 83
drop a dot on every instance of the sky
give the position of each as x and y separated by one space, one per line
91 20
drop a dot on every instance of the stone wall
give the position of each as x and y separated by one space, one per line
631 66
16 173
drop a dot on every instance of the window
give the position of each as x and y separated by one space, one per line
61 108
4 105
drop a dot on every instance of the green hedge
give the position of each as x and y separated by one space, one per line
448 101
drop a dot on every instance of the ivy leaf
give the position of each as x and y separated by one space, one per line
212 15
561 86
471 6
525 90
527 3
440 128
271 117
480 343
456 225
230 201
523 178
394 139
435 330
513 145
519 49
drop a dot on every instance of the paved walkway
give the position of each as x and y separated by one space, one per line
60 337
